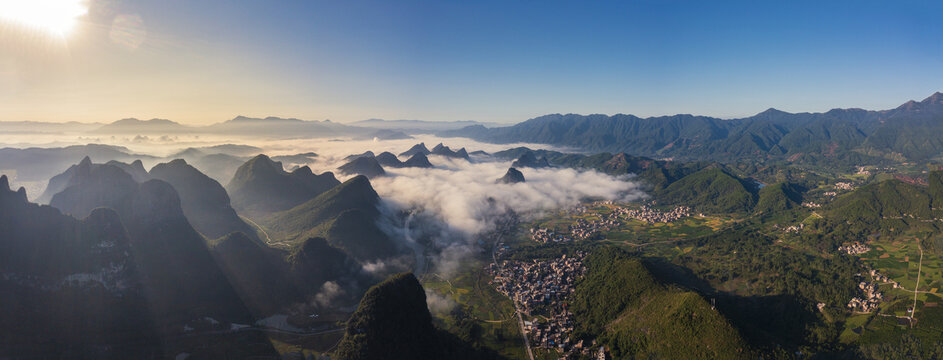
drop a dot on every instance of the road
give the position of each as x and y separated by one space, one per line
917 285
517 310
268 240
651 243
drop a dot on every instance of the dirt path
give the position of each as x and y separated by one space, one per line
917 284
651 243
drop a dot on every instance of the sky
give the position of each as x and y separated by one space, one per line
202 62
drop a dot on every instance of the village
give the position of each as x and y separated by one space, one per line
854 249
871 296
651 216
540 290
584 229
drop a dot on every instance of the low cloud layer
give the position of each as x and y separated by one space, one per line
464 195
440 212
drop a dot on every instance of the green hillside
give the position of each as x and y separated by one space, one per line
776 198
635 316
890 206
711 189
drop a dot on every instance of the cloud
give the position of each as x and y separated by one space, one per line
439 213
329 292
465 196
385 267
439 304
450 205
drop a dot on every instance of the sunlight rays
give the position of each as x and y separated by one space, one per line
53 17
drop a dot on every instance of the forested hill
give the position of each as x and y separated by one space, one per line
393 322
636 317
908 132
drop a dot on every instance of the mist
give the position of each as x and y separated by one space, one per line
439 213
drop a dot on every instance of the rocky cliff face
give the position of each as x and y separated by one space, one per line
204 201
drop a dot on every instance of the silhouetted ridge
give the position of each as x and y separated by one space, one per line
443 150
528 159
181 280
204 201
419 160
367 153
366 166
387 159
393 322
261 186
419 148
345 215
512 176
70 288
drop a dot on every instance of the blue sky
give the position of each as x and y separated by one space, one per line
502 61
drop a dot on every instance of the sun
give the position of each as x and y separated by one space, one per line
55 17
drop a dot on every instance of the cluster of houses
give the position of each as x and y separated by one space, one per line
544 235
547 337
541 288
652 216
794 228
870 297
854 249
581 230
584 229
881 278
811 205
844 186
588 230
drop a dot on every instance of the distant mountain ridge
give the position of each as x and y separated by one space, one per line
419 125
906 132
271 126
135 126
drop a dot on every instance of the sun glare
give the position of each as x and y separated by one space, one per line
56 17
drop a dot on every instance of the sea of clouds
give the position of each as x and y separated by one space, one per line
439 213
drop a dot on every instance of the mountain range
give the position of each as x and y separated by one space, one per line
261 186
418 126
908 132
346 215
127 280
274 127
